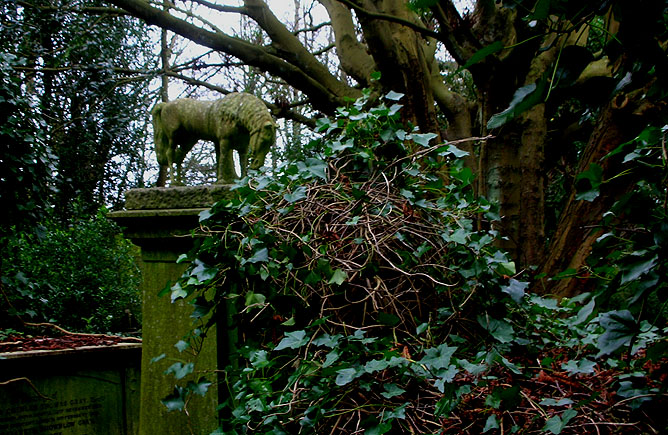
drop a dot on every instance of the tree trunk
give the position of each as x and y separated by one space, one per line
400 57
580 221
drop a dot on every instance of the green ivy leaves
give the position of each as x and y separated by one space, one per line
292 340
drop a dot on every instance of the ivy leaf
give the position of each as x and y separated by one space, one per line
629 389
515 289
552 402
594 175
298 194
177 292
203 272
182 345
260 256
158 358
330 341
585 312
388 319
394 96
258 358
376 365
547 303
473 369
479 55
204 215
459 236
337 146
175 401
201 307
331 358
451 149
345 376
620 328
180 370
293 340
499 329
317 167
438 358
445 377
635 270
575 367
464 175
290 322
379 430
392 390
504 398
591 190
395 108
398 412
423 139
556 424
253 298
200 388
506 268
338 277
523 99
491 423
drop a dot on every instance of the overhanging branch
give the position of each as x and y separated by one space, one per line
324 99
387 17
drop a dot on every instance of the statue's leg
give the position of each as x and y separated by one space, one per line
169 163
225 172
163 155
180 152
243 161
179 156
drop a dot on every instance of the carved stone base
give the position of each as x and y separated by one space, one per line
160 221
178 197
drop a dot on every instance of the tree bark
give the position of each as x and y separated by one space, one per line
580 221
400 55
355 60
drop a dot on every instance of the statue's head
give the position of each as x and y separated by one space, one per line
261 142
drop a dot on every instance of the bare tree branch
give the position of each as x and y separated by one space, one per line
354 58
291 49
455 33
93 10
387 17
220 8
325 98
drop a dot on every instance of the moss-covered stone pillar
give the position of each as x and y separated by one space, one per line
160 221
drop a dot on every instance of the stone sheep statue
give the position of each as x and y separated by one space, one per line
239 121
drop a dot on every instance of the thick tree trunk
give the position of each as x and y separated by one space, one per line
580 221
400 56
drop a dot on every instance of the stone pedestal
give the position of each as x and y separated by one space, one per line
160 221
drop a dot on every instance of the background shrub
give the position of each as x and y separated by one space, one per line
82 277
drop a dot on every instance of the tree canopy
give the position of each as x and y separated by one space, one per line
558 84
82 73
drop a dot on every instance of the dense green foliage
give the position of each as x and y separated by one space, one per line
630 259
26 158
73 101
82 76
367 294
82 278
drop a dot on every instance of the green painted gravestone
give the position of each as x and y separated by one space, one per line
83 391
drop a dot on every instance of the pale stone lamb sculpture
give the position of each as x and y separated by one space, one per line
238 121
